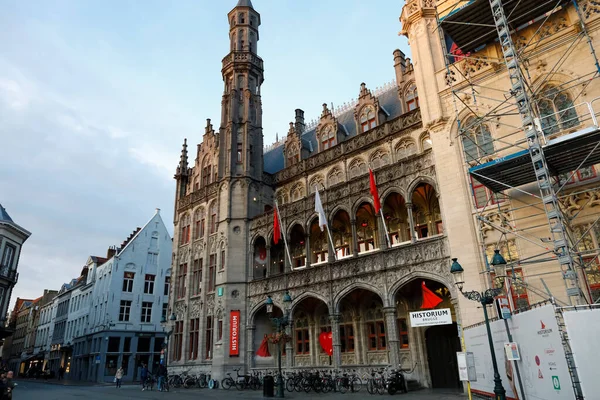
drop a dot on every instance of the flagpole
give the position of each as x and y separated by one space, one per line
386 229
287 250
329 233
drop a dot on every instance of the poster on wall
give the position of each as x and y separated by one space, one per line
234 333
542 363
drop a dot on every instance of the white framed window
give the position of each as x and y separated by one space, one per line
146 311
128 281
125 310
149 284
8 256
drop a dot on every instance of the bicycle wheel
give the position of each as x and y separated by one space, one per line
298 384
289 385
227 383
327 385
306 385
341 385
356 384
371 386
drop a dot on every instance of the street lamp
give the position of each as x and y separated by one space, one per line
485 298
165 346
280 323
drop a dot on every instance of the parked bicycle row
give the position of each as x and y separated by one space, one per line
377 381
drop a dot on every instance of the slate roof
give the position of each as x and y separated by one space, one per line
389 103
4 215
244 3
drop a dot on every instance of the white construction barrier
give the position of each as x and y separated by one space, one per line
542 364
583 327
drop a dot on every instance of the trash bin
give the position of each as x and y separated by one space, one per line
268 386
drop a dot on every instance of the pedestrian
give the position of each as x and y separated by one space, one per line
9 385
162 374
144 376
119 376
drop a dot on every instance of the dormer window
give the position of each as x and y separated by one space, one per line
367 119
412 98
327 138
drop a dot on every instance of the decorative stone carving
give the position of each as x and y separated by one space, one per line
195 308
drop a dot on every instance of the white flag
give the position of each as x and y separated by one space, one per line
319 210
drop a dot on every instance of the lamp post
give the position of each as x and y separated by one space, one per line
165 345
280 323
485 298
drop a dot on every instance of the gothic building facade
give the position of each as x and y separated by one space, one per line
361 284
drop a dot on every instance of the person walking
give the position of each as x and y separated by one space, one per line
162 375
144 376
119 376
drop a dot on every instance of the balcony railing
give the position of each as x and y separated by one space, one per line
424 254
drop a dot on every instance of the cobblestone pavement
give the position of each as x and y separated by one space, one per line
34 390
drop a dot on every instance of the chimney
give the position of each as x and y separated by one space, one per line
110 253
399 65
299 121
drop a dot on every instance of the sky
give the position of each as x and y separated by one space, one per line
97 97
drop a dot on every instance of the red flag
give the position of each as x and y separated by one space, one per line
374 192
430 299
276 227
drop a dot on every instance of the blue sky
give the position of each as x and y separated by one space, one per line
96 98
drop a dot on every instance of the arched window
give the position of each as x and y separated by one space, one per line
301 334
556 110
206 171
375 328
293 154
379 159
425 142
327 138
334 177
405 148
476 139
213 217
412 97
367 119
316 181
297 192
185 229
357 167
200 222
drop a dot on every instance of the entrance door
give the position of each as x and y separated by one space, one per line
442 345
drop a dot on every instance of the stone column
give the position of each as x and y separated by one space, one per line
269 266
360 344
289 346
354 238
250 331
411 222
307 249
393 340
336 359
312 340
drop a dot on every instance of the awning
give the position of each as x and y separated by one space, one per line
472 25
563 154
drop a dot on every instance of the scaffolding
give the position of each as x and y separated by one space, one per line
503 60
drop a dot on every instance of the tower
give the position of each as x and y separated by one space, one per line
241 113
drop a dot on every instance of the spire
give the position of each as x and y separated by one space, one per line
4 215
182 168
244 3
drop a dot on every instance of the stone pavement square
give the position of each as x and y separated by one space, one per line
33 390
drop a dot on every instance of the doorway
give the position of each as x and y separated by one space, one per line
442 344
